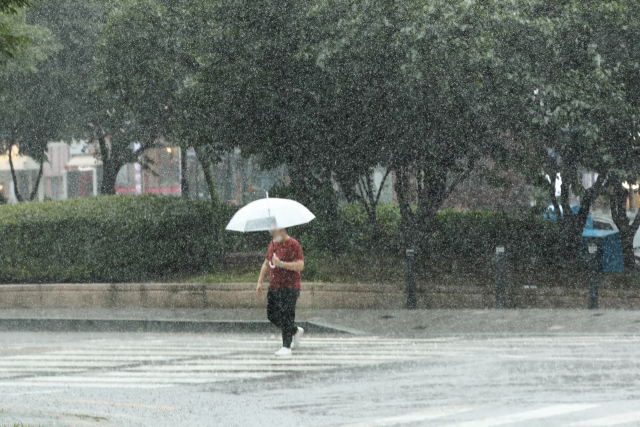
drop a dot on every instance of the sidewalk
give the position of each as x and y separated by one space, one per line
387 323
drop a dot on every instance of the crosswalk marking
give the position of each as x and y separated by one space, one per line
100 402
162 363
200 358
547 412
79 385
429 414
613 420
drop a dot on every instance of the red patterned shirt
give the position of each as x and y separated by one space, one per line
288 251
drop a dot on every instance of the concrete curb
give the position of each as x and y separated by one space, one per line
138 325
313 296
193 295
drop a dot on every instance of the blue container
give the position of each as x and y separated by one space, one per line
608 241
609 249
551 215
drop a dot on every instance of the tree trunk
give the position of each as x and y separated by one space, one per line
110 169
569 227
184 179
572 225
14 177
208 176
109 175
618 200
34 191
315 191
374 229
368 197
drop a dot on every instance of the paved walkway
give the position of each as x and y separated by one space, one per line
387 323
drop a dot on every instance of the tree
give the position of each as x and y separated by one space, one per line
52 102
424 81
257 92
576 110
145 58
618 44
21 121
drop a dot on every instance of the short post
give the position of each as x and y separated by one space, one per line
500 273
411 279
593 277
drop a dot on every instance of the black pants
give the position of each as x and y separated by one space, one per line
281 311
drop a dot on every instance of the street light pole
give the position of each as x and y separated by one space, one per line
411 279
500 273
593 277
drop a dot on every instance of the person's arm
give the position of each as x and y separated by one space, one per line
263 273
293 265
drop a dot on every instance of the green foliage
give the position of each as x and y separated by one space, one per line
13 6
15 37
477 233
353 232
457 234
105 239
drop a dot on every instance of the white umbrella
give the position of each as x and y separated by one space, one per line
266 214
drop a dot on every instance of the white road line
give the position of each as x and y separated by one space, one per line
303 358
65 385
413 417
614 420
101 380
290 362
15 371
547 412
207 368
67 364
186 375
87 358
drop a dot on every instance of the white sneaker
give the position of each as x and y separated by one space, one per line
283 352
295 343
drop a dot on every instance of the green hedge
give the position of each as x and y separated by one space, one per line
473 233
105 239
476 233
136 238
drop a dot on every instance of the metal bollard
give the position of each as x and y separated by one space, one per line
593 277
411 279
500 273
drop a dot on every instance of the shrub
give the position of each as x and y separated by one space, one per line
476 233
105 239
473 233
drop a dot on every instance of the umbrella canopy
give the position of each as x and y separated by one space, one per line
267 214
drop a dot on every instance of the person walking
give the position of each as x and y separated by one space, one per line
284 262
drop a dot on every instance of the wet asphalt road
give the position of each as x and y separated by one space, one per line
140 379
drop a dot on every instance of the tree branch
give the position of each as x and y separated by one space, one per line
362 198
34 191
13 176
384 178
457 181
554 201
590 195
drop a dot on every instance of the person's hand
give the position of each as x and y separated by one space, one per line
259 289
276 260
